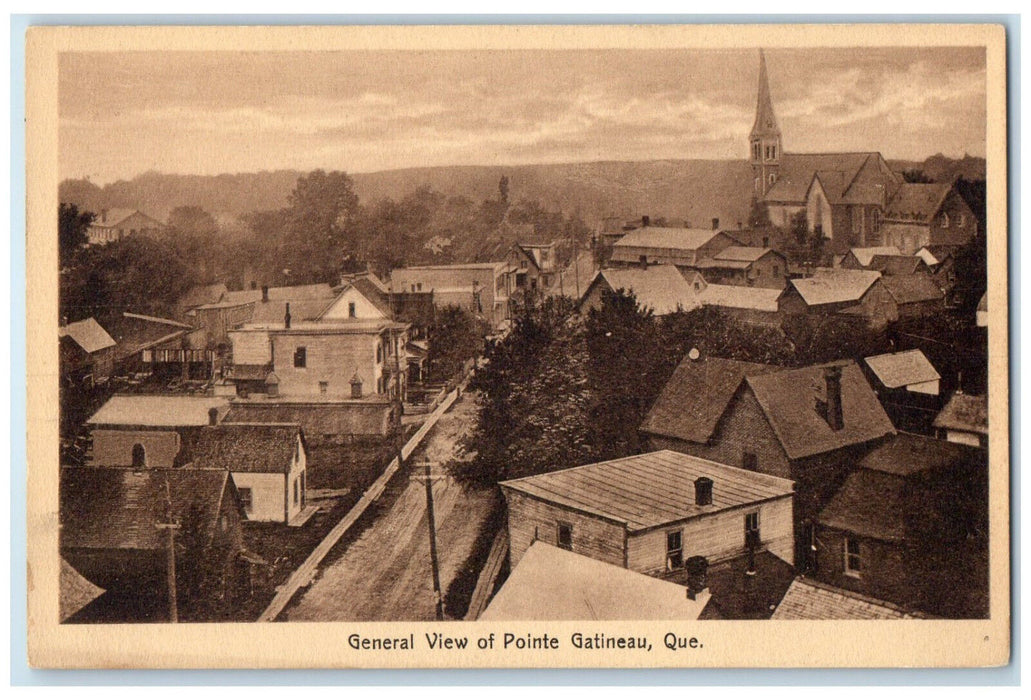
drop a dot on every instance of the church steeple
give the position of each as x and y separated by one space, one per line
764 141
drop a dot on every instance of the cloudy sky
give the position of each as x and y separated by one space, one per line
215 112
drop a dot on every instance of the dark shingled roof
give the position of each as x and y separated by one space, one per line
911 289
813 600
917 201
788 399
695 397
112 508
871 503
837 173
907 454
245 447
964 412
897 264
315 419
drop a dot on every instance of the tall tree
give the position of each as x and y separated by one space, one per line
321 219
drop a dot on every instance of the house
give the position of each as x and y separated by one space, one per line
683 247
915 295
115 224
650 513
535 265
807 425
86 353
754 305
887 264
964 420
907 371
910 526
661 288
551 583
200 295
860 258
147 431
162 346
235 308
941 261
268 463
857 293
112 533
807 599
923 214
482 288
745 266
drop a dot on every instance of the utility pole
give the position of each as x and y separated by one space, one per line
171 526
428 479
398 402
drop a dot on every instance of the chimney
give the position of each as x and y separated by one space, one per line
715 223
645 220
212 416
286 318
264 293
832 377
703 491
697 568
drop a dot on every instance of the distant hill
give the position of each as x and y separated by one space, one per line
692 190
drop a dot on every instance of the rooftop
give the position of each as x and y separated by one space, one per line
834 286
660 288
866 255
88 335
696 396
917 201
246 447
912 289
667 238
650 490
812 600
734 296
900 369
964 412
907 454
742 253
554 584
158 411
897 264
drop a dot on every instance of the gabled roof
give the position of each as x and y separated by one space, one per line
696 396
305 292
331 418
900 369
158 411
116 216
907 453
266 448
275 311
550 583
812 600
687 239
914 288
202 294
373 289
660 288
88 335
797 171
866 255
937 253
732 296
964 412
137 332
650 490
871 504
789 398
897 264
917 201
743 253
112 508
835 286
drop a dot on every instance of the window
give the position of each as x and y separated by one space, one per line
301 357
246 499
773 178
352 309
875 220
565 536
961 221
139 456
674 549
418 287
853 560
776 270
749 460
297 491
323 387
379 353
752 537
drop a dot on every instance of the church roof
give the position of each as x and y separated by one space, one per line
765 120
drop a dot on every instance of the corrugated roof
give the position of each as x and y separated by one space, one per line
964 412
866 255
111 508
244 447
835 286
900 369
158 411
667 238
907 453
650 490
738 297
808 600
696 396
554 584
789 400
88 335
912 289
660 288
917 201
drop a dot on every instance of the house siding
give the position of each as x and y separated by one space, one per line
113 448
267 492
340 309
530 519
332 359
883 575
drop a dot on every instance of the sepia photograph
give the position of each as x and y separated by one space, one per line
564 346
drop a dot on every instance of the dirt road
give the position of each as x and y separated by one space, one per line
385 574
